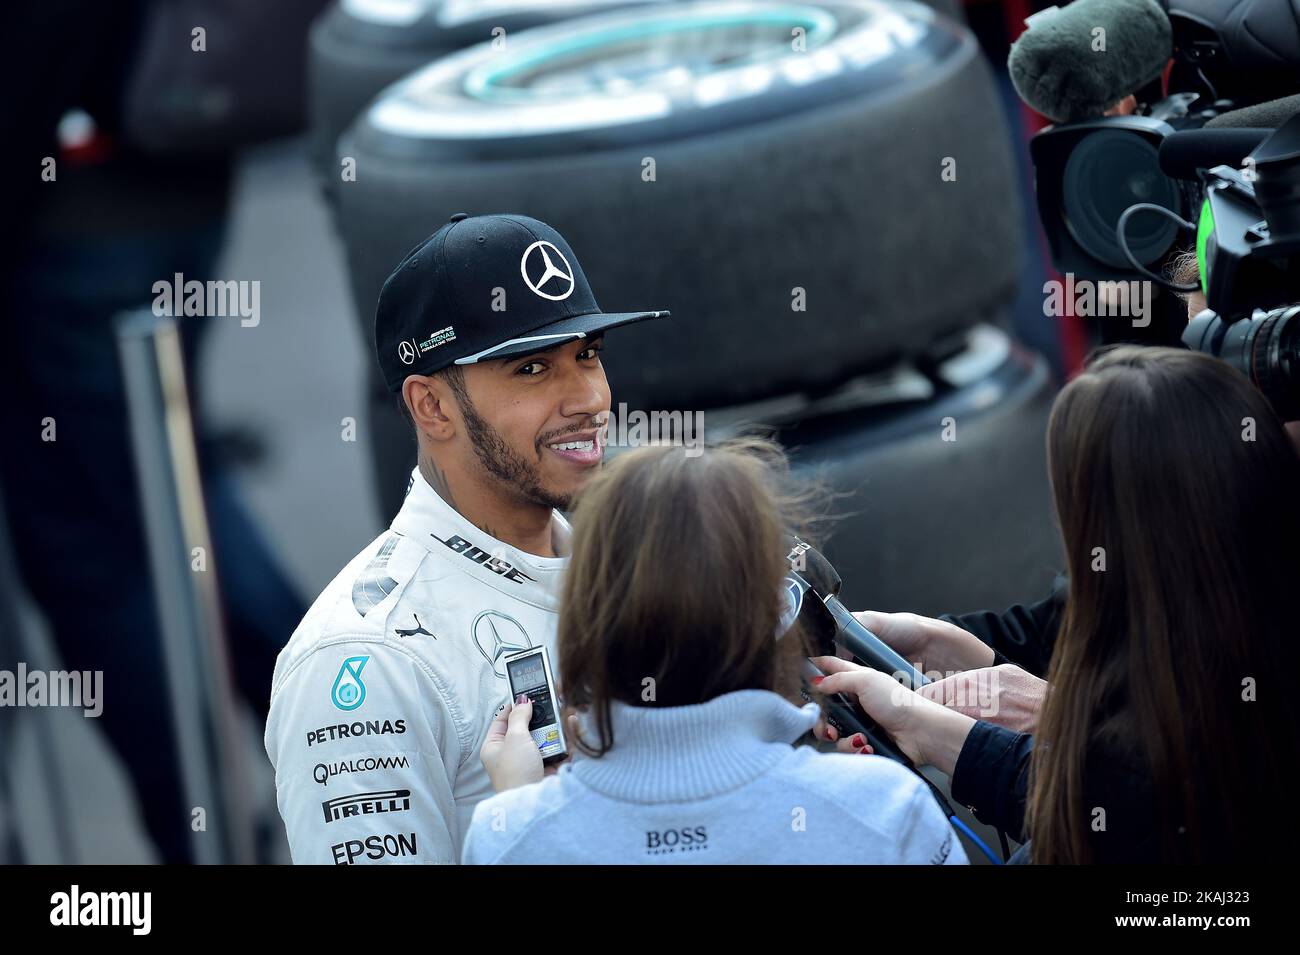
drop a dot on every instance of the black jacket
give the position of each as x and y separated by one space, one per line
1023 634
991 776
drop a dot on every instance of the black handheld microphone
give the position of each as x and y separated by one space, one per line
810 567
839 710
823 625
849 718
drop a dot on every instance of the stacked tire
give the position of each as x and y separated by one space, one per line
856 209
359 47
813 214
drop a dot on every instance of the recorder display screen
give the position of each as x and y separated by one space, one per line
527 675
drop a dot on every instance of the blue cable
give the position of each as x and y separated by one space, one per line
970 834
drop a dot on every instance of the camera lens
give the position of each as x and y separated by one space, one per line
1107 172
1265 348
1274 360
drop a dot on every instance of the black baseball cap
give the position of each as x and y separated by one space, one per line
483 288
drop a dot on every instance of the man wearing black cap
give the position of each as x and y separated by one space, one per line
490 333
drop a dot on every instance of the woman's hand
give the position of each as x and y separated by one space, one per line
1005 695
929 644
509 754
927 732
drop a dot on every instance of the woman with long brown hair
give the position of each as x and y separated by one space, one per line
668 646
1170 722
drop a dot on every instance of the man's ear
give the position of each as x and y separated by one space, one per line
431 405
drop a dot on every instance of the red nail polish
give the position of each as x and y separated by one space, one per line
858 741
865 751
817 679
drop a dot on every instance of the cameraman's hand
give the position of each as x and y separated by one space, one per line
509 754
929 644
927 732
1005 695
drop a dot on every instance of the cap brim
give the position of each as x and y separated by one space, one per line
559 333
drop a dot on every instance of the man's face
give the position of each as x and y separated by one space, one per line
535 422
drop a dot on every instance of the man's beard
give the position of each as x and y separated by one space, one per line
506 464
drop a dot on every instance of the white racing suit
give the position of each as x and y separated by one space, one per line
383 695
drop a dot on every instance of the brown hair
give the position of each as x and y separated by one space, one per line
673 592
1184 268
1179 471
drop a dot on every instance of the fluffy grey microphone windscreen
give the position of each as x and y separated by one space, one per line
1076 62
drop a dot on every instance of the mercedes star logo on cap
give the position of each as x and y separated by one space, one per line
439 305
541 256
